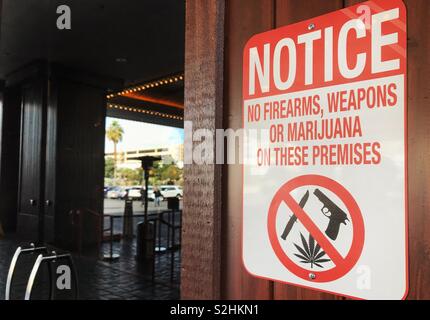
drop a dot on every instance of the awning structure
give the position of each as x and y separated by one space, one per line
148 49
160 101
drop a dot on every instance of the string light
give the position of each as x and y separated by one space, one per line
152 113
151 84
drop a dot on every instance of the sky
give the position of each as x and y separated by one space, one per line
140 135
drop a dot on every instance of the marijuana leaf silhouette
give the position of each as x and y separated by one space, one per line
310 253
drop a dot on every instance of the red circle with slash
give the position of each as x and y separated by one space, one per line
342 264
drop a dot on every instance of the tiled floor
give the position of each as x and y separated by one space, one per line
98 279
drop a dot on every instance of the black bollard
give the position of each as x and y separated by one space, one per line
127 228
145 248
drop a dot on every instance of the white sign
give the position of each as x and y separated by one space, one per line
324 113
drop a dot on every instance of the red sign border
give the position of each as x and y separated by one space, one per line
354 252
406 159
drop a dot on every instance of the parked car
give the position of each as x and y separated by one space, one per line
105 191
117 193
134 193
171 191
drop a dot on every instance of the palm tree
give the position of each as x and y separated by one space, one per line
114 133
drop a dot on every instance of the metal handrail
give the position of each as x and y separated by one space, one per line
17 254
54 257
111 255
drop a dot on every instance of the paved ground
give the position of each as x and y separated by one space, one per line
124 278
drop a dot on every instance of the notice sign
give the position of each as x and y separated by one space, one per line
325 188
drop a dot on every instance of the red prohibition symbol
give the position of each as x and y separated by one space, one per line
342 264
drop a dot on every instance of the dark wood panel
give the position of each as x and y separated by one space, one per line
292 11
201 236
61 156
79 151
9 163
50 164
289 12
1 8
244 18
349 3
30 204
31 139
419 147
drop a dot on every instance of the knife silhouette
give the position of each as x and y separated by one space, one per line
293 218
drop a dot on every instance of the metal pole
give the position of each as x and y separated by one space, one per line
171 227
111 236
172 246
112 256
146 171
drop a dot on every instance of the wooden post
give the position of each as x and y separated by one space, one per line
201 236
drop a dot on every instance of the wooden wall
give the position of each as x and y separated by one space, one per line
245 18
200 275
419 147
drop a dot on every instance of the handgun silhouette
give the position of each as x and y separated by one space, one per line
333 212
